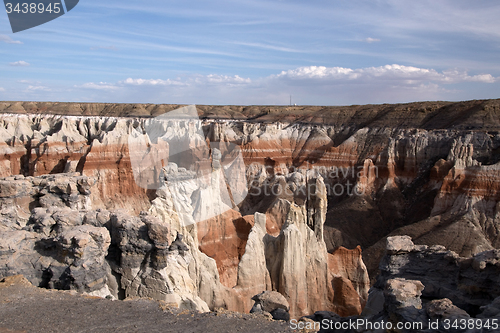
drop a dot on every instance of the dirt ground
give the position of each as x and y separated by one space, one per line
25 308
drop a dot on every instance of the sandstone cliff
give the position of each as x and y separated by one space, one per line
320 181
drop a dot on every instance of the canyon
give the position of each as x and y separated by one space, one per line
298 200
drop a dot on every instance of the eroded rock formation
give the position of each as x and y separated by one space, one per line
317 189
67 245
428 288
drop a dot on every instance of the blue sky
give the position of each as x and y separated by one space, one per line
257 52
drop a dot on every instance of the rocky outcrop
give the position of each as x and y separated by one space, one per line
148 267
429 289
51 245
72 257
19 195
272 302
443 273
64 244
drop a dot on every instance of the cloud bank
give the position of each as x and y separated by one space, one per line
308 85
402 74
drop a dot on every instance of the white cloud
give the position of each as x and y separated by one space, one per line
454 76
38 88
318 72
19 64
8 40
150 82
211 79
223 79
371 40
383 73
32 82
98 86
2 89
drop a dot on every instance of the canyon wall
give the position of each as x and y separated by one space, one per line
323 196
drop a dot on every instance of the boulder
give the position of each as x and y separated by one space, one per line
401 293
399 244
443 309
269 301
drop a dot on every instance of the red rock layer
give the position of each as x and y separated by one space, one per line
10 158
223 238
349 281
115 187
